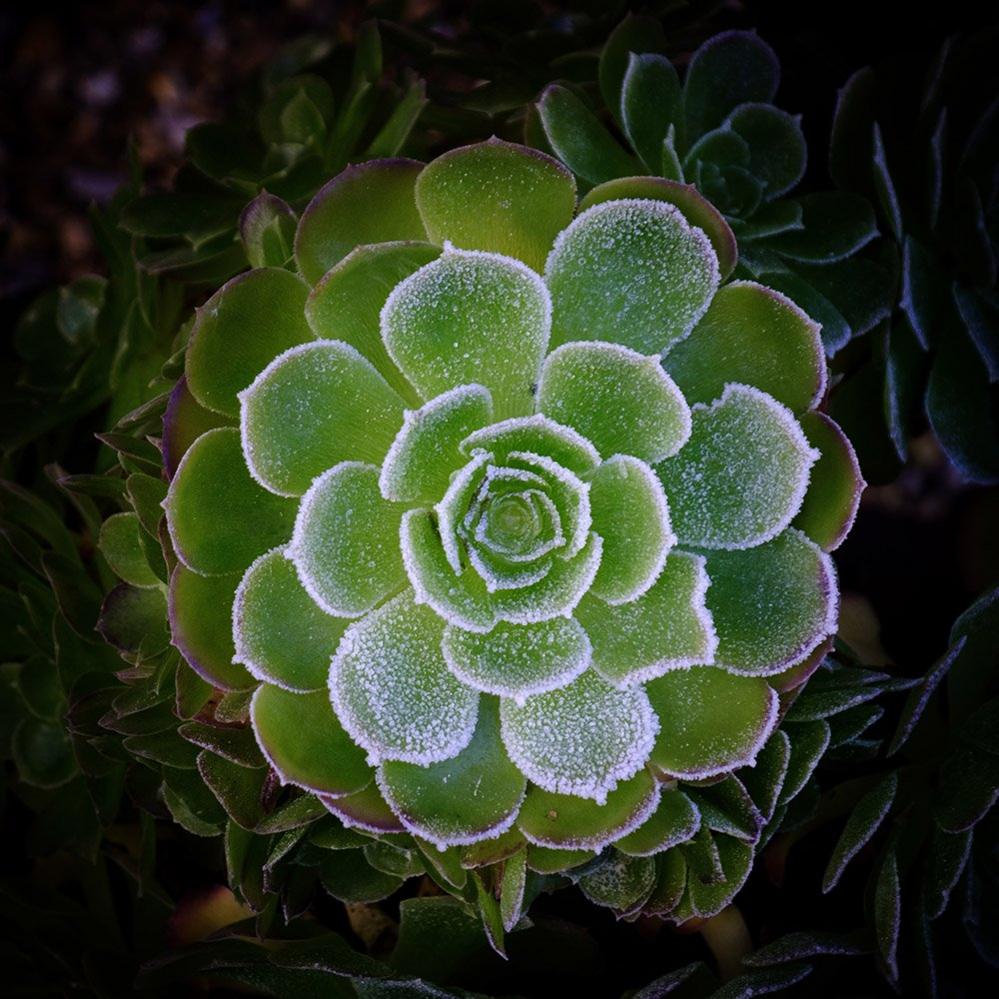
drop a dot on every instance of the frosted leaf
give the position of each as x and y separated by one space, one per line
366 810
557 594
675 821
568 492
497 196
460 598
621 400
833 498
455 503
466 799
212 500
581 739
713 882
304 742
667 628
755 336
280 634
773 604
518 660
621 883
568 822
741 477
633 272
314 406
345 546
631 514
392 690
710 721
347 301
498 574
241 329
537 434
425 452
368 202
471 317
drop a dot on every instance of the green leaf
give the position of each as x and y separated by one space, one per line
959 404
534 435
369 202
777 149
696 209
675 821
969 789
731 68
426 450
830 505
347 301
201 624
666 628
345 546
304 742
121 544
718 866
393 134
43 754
512 885
267 231
620 400
348 877
580 140
195 216
765 780
771 605
471 317
581 739
236 745
740 479
471 797
241 329
568 822
212 501
835 224
238 789
622 882
631 514
809 741
866 818
888 914
947 859
633 272
314 406
499 197
184 421
392 690
710 722
800 945
754 336
365 810
635 34
651 103
279 632
134 620
518 660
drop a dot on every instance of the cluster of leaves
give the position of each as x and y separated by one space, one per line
920 142
720 132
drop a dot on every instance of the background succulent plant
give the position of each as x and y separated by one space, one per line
720 132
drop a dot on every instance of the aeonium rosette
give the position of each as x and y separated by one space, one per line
517 517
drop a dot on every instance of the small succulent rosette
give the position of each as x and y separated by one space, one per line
517 518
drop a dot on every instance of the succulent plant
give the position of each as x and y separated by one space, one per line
919 140
515 526
720 133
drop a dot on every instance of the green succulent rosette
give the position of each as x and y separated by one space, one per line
515 519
